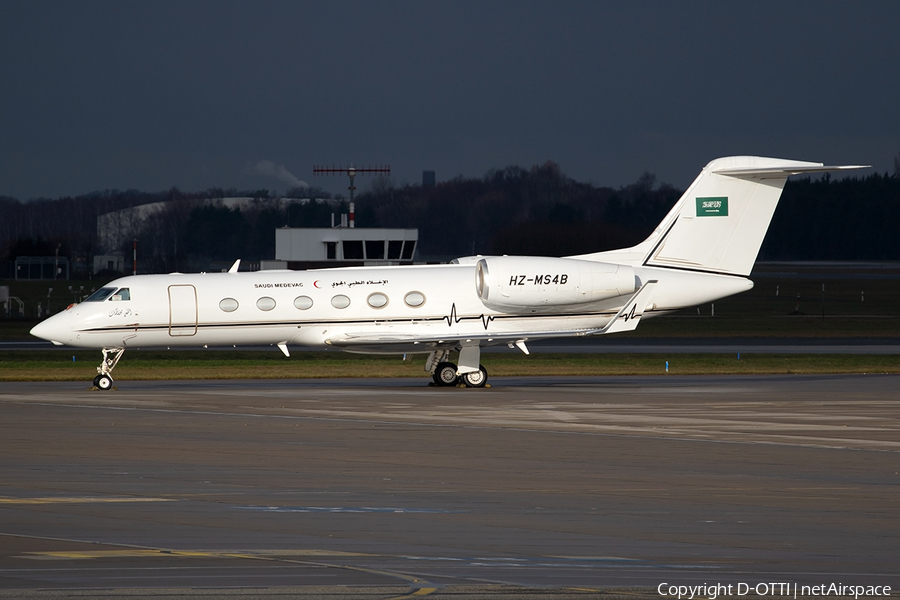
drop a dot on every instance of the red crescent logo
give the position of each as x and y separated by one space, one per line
316 284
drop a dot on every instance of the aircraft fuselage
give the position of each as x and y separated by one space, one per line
346 308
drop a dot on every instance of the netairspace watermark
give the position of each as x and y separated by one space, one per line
776 589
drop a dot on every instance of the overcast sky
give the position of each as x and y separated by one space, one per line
196 94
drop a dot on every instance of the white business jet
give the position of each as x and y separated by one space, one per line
703 250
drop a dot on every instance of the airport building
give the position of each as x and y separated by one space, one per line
314 248
297 248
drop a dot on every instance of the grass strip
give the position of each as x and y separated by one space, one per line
175 365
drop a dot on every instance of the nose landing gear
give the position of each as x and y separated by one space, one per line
103 380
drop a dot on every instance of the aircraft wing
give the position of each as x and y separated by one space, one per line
627 319
393 344
630 314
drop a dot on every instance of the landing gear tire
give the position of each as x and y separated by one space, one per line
475 379
103 382
445 374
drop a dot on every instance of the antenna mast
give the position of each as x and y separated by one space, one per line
350 171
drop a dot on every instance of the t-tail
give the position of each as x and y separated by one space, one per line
719 223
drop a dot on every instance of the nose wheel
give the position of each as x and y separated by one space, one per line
104 381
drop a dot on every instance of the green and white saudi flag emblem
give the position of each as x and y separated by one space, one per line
712 207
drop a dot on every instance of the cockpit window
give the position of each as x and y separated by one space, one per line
101 294
122 294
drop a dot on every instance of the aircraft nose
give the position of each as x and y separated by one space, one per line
49 329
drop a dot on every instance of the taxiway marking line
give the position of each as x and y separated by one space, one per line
142 553
78 500
418 593
607 430
274 558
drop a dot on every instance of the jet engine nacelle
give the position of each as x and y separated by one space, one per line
543 284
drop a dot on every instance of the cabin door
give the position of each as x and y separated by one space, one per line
182 310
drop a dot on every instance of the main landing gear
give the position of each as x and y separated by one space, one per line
444 373
103 380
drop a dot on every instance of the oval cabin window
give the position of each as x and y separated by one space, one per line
377 300
228 304
265 303
340 301
414 299
303 302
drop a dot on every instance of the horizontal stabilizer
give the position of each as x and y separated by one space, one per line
785 171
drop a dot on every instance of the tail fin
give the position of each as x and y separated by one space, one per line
719 223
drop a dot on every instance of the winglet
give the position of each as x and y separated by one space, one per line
630 314
235 266
284 349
